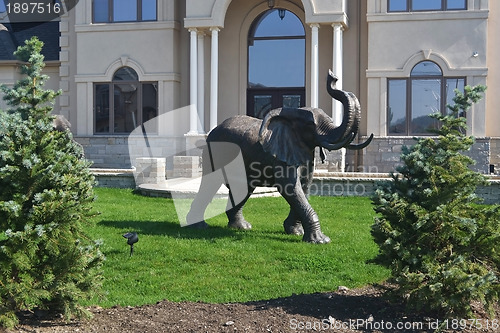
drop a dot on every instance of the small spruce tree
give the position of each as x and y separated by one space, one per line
46 193
442 246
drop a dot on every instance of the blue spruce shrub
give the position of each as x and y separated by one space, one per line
442 246
46 193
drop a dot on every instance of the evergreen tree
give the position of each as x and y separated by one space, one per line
442 246
46 193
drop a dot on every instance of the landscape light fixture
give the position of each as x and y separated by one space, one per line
132 238
270 4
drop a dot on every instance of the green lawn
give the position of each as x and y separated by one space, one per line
225 265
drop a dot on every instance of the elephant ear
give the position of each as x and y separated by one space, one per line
288 135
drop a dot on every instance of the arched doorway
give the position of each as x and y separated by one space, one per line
276 62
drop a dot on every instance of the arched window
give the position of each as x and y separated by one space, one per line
124 104
412 100
276 62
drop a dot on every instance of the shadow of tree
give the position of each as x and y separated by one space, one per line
368 309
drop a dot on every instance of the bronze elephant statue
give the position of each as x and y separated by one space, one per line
277 151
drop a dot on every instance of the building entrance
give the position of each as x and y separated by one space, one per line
276 62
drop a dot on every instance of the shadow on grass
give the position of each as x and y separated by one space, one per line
174 230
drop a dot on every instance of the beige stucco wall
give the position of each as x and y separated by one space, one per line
10 74
152 49
456 35
493 82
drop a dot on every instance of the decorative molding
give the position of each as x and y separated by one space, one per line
127 26
124 60
426 54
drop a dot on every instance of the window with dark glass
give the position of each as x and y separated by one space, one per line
410 101
124 104
276 62
425 5
105 11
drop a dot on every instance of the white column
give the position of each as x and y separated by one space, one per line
214 76
193 82
201 82
314 64
338 63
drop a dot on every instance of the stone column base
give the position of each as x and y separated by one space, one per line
187 167
150 170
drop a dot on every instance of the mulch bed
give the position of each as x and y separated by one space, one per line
359 310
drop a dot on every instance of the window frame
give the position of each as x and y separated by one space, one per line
409 99
251 38
111 19
409 7
111 104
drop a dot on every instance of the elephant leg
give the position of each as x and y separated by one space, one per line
291 190
210 184
234 213
293 224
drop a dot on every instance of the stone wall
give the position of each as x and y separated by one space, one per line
366 186
495 154
115 178
383 154
115 152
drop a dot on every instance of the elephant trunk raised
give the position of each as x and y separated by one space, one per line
333 137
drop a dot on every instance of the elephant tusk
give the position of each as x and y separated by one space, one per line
361 145
334 146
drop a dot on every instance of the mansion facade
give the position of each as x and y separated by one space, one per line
124 63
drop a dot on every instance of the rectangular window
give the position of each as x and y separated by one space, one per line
410 102
125 108
456 4
280 70
425 5
397 6
101 108
396 106
451 85
107 11
101 11
262 104
291 101
125 10
119 108
425 100
149 10
150 106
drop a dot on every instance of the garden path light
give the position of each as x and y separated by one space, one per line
132 238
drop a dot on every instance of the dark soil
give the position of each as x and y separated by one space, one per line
360 310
